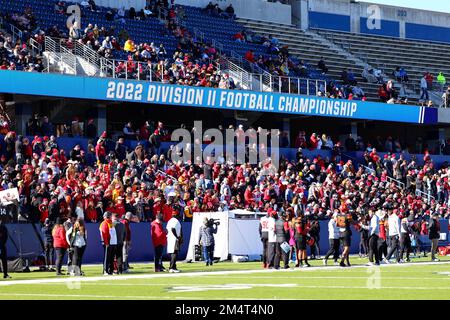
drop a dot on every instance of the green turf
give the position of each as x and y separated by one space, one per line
413 281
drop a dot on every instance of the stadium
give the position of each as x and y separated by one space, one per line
224 150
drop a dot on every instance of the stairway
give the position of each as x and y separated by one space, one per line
310 47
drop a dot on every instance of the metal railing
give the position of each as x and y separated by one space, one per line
266 82
64 58
425 195
124 69
36 47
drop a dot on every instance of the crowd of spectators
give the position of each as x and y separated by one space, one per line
109 176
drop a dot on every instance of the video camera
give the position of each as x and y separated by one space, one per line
212 222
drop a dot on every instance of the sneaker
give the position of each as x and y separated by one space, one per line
59 274
174 271
342 264
107 274
370 264
324 262
386 261
408 260
306 265
126 271
435 260
336 263
6 276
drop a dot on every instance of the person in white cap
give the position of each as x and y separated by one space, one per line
174 241
394 236
374 231
333 238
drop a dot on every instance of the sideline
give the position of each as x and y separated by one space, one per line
202 274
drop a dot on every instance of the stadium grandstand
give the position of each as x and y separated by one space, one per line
338 113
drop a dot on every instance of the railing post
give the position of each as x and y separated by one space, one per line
138 71
298 85
289 86
279 84
317 89
114 68
126 70
307 87
261 84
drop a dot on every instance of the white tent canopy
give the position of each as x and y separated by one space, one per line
237 234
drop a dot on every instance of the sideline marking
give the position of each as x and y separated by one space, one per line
202 274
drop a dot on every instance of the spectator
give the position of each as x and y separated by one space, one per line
424 88
441 81
322 66
77 238
60 244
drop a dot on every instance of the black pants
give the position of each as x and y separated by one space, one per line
364 246
315 249
78 253
60 253
118 254
264 255
173 260
394 248
280 254
373 248
158 257
382 248
69 258
271 248
48 249
334 249
405 245
3 257
108 261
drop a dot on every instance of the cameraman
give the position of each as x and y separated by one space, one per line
206 239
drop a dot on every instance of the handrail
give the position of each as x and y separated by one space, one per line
62 55
16 32
168 175
36 47
428 196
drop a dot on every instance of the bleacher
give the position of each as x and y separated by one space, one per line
417 57
221 30
150 30
304 46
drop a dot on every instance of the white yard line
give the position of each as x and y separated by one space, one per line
200 274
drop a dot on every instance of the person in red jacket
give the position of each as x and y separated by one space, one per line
159 239
59 244
109 241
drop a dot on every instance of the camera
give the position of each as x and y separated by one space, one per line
212 222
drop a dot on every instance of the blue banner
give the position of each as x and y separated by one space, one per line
56 85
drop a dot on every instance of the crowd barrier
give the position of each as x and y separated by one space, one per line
142 248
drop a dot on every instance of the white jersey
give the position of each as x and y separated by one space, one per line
271 230
264 222
394 225
333 230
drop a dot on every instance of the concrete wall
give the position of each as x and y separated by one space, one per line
385 20
250 9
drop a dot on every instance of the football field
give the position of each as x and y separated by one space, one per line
418 280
